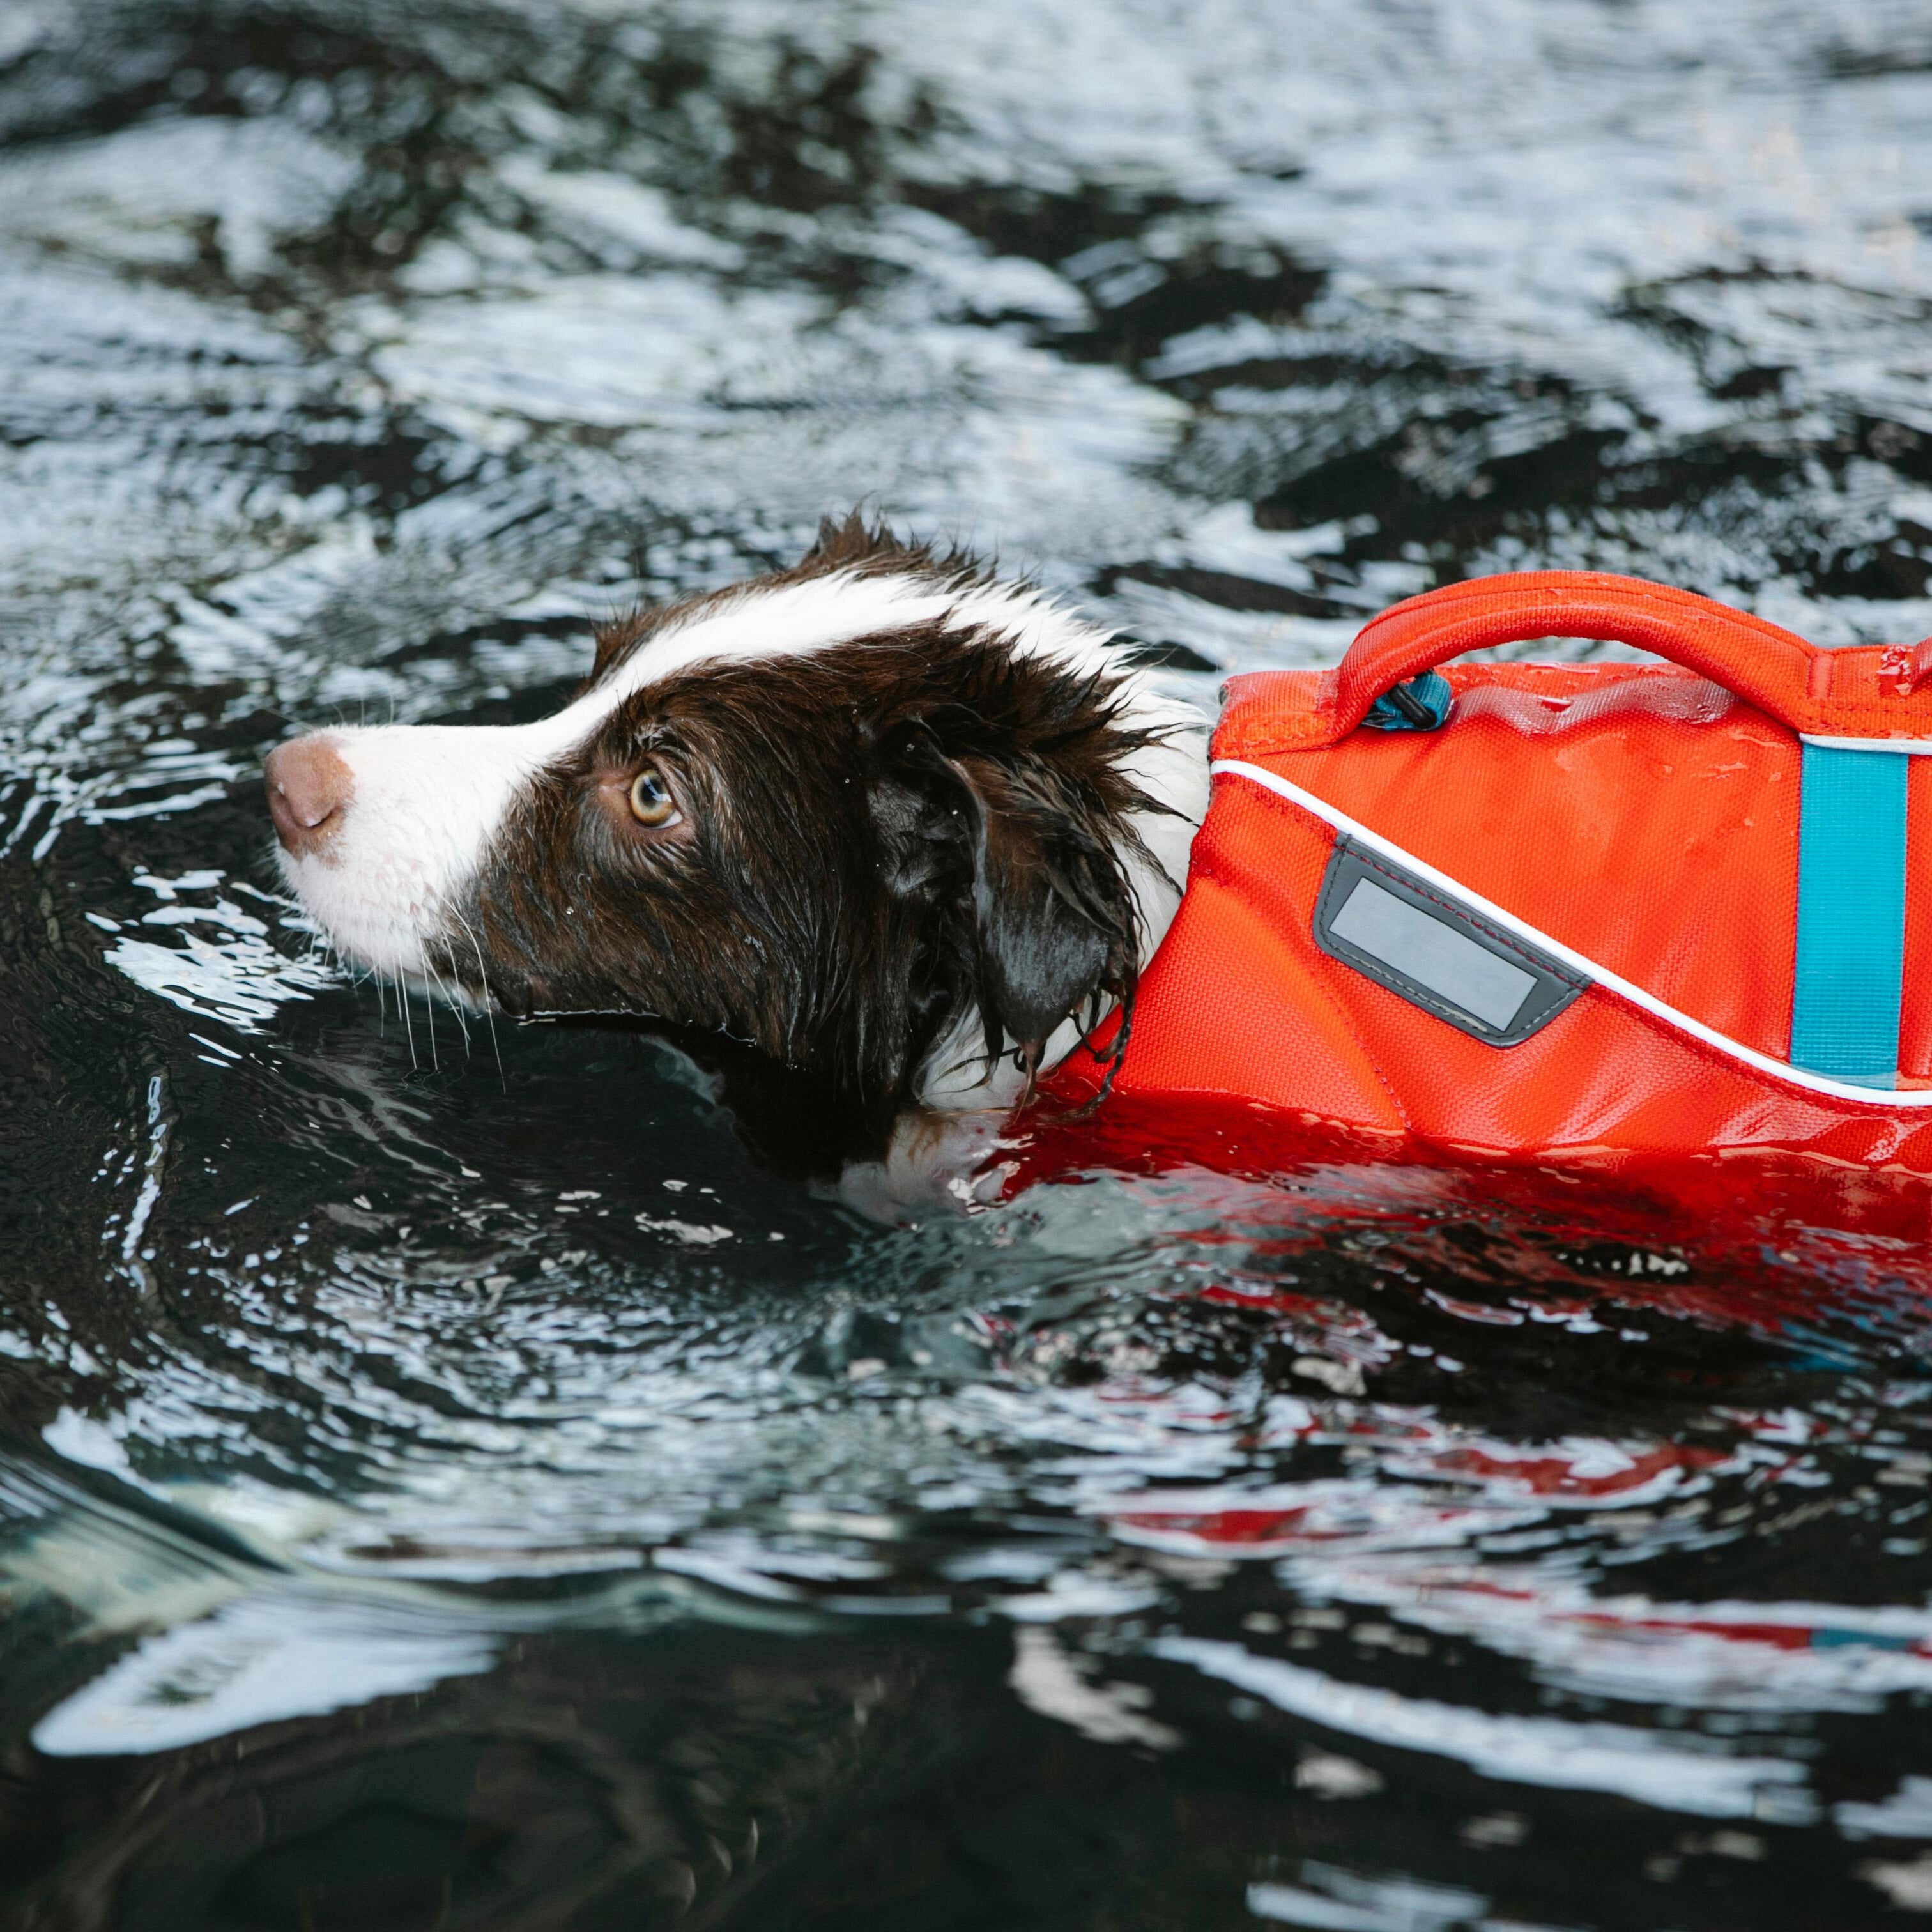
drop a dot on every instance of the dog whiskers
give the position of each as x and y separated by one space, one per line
489 1010
409 1027
448 999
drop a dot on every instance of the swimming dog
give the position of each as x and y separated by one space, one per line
891 820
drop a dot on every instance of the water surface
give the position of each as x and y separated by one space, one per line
497 1482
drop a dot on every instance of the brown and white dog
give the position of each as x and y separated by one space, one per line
883 817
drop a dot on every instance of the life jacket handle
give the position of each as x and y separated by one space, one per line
1862 692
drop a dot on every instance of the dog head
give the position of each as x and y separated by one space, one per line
881 816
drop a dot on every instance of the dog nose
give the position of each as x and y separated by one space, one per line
309 789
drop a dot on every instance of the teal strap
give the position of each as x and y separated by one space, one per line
1851 915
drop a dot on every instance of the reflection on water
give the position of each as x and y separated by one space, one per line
496 1482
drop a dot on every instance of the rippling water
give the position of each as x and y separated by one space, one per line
499 1482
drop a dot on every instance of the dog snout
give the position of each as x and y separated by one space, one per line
309 788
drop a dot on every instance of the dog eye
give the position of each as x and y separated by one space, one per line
651 801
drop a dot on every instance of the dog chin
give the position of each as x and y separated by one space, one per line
374 924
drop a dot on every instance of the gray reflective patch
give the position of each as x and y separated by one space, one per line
1420 941
1451 965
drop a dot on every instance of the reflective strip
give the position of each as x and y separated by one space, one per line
1910 1100
1850 957
1906 748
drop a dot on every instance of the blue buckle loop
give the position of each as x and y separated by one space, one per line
1421 704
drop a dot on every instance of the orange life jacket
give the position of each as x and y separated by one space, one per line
1538 910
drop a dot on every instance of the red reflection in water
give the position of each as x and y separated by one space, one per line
1763 1240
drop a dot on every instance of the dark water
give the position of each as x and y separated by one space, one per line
497 1484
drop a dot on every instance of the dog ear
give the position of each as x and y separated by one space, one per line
1034 906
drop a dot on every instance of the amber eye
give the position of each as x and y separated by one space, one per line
651 801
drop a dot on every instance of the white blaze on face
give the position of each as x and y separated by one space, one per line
428 800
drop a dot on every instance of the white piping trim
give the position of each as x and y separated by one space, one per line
1910 747
1798 1076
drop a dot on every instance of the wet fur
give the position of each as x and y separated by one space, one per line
894 837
